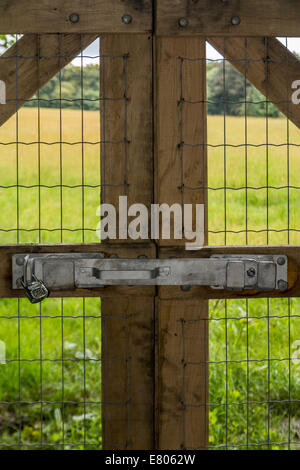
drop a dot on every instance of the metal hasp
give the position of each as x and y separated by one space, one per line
82 270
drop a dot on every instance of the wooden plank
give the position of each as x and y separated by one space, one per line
270 66
127 170
24 73
214 17
121 251
127 373
292 252
135 250
95 16
126 88
178 171
182 386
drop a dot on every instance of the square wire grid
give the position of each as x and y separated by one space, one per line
252 191
50 189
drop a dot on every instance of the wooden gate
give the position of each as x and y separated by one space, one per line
153 108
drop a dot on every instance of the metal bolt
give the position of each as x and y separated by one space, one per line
282 285
281 261
113 256
251 272
127 19
20 261
74 17
185 288
235 20
183 22
142 257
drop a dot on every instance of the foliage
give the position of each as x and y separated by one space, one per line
6 41
73 88
26 420
230 93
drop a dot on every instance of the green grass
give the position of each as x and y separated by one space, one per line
60 330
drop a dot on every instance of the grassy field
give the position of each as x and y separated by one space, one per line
261 331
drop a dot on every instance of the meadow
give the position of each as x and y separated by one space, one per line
49 192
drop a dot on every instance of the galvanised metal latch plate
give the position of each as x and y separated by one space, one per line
82 270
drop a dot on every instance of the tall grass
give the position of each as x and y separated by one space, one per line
254 407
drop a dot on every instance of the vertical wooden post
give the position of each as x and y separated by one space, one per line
180 177
127 162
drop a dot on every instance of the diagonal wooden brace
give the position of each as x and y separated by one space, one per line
268 65
30 63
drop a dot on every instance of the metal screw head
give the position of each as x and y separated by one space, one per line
235 20
282 285
74 17
251 272
281 261
113 256
185 288
183 22
127 19
20 261
142 257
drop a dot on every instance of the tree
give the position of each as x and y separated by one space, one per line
230 92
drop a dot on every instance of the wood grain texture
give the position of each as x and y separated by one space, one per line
127 167
182 390
127 170
127 373
214 17
292 252
30 63
179 170
95 16
270 66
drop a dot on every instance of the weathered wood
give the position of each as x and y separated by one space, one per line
127 373
179 169
30 63
127 170
182 394
126 118
269 65
215 17
95 16
292 252
122 251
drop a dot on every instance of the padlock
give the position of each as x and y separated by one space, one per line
35 290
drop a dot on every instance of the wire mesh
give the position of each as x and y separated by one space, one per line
50 189
252 190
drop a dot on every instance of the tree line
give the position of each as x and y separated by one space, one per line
228 92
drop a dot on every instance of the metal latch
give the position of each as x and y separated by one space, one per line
58 272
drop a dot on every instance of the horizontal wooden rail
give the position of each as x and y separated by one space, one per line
292 252
204 17
75 16
149 250
228 17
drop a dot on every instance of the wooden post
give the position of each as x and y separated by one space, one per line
181 326
128 321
